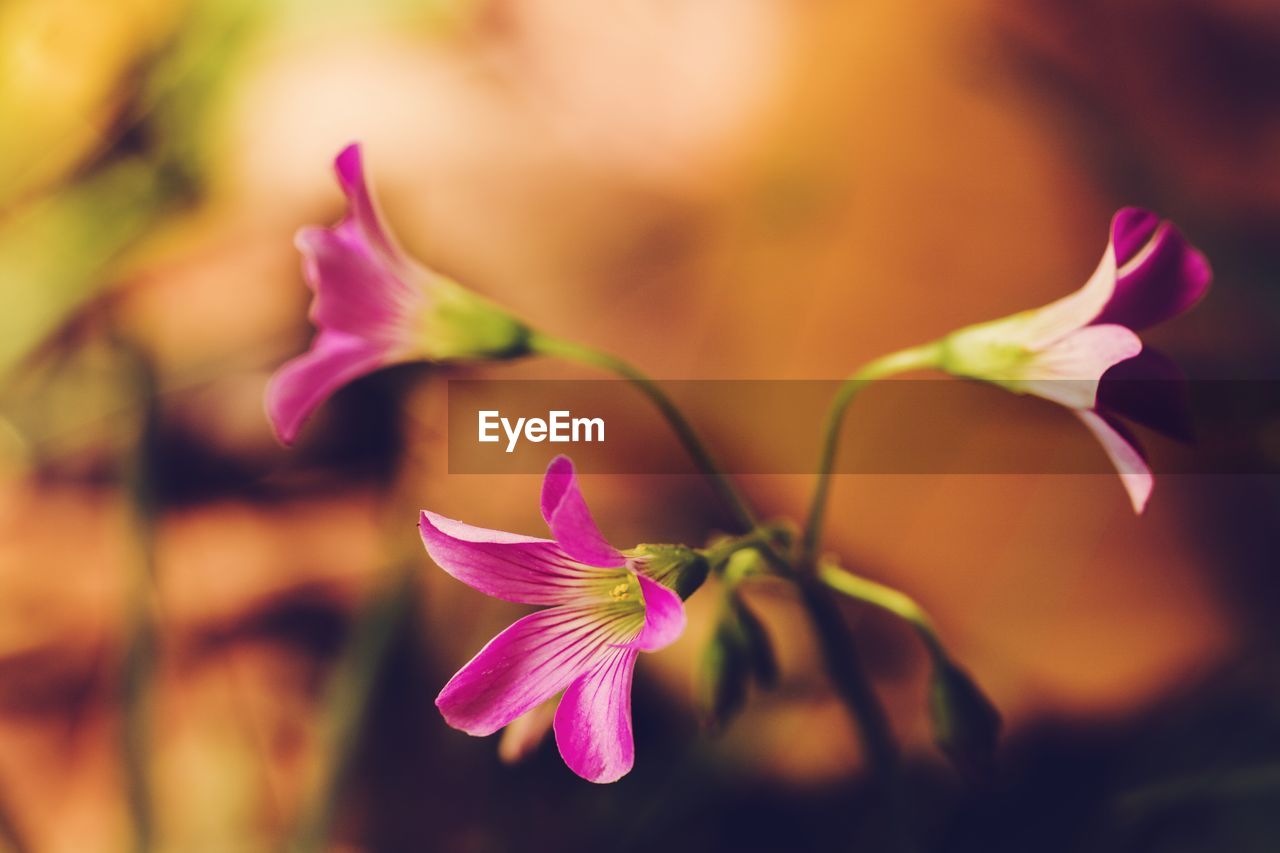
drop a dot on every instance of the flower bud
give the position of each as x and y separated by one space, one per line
375 306
723 675
764 664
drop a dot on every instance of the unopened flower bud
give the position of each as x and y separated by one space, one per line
724 673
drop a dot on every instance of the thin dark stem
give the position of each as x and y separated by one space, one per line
885 598
844 667
141 640
898 362
849 679
688 436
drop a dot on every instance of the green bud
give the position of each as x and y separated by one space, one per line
966 725
764 664
676 567
742 564
723 675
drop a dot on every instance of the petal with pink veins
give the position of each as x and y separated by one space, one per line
507 565
298 388
593 722
362 219
355 289
528 663
570 521
664 617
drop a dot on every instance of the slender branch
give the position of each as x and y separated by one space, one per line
348 700
886 598
688 436
839 652
141 641
848 677
898 362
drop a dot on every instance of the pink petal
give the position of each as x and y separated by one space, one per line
570 521
664 617
302 384
1160 279
362 211
368 304
1132 468
1149 389
1069 370
507 565
1131 231
524 666
357 291
593 722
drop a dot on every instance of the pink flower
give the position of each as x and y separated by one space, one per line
600 613
375 306
1067 350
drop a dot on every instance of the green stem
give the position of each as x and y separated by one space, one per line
141 641
347 703
835 640
886 598
915 358
559 348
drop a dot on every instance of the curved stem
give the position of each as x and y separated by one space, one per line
552 346
886 598
848 677
839 652
898 362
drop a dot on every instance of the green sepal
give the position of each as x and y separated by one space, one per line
461 325
677 567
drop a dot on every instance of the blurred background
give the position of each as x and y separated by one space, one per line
777 190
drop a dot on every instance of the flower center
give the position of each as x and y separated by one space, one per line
620 592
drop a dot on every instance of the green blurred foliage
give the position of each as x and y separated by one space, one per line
71 213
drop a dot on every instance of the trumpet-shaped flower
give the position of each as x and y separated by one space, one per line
600 612
374 306
1068 350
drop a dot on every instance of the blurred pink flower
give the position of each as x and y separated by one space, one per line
1066 350
601 614
375 306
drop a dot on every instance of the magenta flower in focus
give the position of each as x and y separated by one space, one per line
375 306
600 613
1070 350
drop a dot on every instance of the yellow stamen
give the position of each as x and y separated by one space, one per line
619 592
